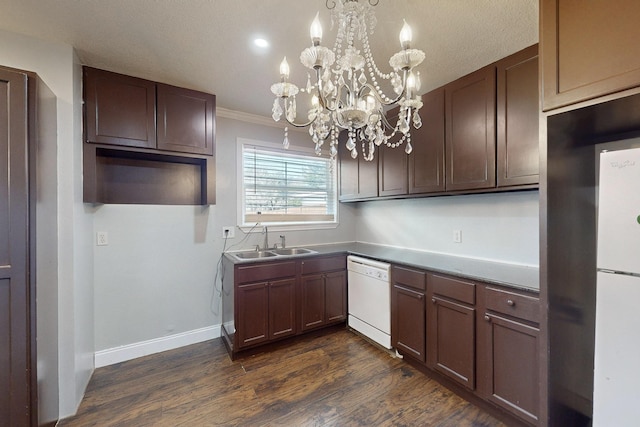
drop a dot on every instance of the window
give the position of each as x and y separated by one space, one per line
286 186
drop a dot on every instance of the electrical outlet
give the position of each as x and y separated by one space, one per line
102 238
457 236
228 232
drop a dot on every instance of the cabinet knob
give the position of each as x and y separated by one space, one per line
433 300
511 302
487 318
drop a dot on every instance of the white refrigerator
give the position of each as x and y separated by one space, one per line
616 397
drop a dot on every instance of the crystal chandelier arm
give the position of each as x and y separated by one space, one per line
376 94
298 125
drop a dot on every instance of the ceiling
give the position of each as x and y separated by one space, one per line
208 45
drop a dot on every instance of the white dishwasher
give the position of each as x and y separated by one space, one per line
370 299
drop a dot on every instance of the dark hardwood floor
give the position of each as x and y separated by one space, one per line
338 379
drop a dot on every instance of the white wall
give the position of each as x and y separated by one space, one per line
54 63
501 226
156 277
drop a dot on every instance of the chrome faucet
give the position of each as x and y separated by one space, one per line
266 237
282 241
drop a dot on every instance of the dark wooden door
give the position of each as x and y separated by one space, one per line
518 114
15 336
335 296
408 332
282 308
471 131
513 366
252 313
451 340
589 49
119 109
185 120
313 301
426 162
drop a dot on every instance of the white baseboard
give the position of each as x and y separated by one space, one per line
123 353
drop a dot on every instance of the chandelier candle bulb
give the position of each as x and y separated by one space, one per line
405 36
284 69
316 31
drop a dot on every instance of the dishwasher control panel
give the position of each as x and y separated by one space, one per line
368 267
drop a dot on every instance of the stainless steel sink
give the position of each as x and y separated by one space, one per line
272 253
254 254
293 251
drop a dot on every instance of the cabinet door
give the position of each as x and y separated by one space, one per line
185 120
335 296
470 131
119 109
358 178
426 162
282 308
512 366
451 340
392 164
313 301
517 119
588 49
252 314
408 322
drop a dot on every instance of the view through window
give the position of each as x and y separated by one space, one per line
287 186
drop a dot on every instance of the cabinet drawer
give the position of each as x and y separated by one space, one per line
321 264
272 270
409 277
453 288
512 304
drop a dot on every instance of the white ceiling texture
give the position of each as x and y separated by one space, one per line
208 45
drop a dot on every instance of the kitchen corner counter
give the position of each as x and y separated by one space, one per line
504 274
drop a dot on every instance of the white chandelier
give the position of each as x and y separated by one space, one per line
346 93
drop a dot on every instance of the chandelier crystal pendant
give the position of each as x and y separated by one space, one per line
346 93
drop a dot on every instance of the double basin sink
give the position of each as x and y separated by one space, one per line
272 253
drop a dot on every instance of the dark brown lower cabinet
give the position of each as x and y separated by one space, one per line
335 295
451 331
266 301
408 312
324 297
484 337
266 311
508 341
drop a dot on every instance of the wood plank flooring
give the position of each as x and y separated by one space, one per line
338 379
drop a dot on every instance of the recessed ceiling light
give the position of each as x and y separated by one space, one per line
261 43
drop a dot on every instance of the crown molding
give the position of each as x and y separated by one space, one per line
253 118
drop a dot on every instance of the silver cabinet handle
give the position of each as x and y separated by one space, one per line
511 302
433 300
487 318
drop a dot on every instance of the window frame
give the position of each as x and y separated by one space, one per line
283 226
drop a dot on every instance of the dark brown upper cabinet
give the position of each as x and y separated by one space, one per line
588 49
120 110
426 162
517 119
358 177
392 164
146 142
185 120
470 131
